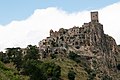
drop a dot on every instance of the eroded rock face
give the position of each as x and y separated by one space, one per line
88 40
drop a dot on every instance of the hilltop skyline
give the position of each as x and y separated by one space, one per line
34 26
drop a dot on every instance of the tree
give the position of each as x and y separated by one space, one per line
53 56
9 52
74 56
33 69
106 77
18 58
52 70
7 73
38 70
32 53
118 66
4 57
15 56
71 75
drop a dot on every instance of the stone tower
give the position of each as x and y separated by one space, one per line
94 17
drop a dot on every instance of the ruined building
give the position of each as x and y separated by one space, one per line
88 40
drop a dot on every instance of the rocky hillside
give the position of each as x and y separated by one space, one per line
96 49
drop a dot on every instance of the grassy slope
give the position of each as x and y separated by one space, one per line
7 73
66 65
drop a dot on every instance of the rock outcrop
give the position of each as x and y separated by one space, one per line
89 41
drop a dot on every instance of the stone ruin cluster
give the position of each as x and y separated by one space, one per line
77 37
88 41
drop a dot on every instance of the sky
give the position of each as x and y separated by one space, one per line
21 9
24 22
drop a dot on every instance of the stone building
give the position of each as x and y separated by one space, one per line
87 41
86 36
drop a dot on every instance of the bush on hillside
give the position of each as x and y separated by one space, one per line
71 75
118 66
74 57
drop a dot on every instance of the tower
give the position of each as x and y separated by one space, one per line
94 17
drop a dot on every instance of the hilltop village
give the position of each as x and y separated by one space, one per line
77 37
88 41
85 53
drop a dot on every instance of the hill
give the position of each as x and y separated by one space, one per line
78 53
96 51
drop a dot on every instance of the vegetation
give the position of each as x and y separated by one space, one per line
74 56
71 75
15 56
6 73
38 70
106 77
32 53
118 66
53 56
28 64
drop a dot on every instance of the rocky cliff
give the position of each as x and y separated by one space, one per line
89 41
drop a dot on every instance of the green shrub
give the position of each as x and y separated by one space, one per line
41 71
106 77
7 74
53 56
118 66
74 57
71 75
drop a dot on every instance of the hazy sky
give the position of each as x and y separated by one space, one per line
24 22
